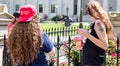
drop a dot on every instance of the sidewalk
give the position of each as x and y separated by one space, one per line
2 32
1 55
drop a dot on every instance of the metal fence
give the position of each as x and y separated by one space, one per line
57 36
62 32
60 35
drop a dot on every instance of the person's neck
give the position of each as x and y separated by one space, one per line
94 19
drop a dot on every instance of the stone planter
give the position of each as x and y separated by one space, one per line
5 18
114 16
115 19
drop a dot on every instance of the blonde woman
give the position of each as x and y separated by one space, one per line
97 40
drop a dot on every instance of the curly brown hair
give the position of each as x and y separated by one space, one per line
95 10
24 41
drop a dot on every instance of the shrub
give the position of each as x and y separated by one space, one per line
58 18
45 16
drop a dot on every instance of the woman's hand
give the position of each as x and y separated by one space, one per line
83 33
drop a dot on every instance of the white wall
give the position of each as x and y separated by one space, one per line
70 6
112 5
118 5
105 5
62 5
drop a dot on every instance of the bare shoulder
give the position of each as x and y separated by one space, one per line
99 26
98 22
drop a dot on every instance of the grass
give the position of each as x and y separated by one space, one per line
51 25
58 28
61 25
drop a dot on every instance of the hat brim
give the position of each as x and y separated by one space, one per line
24 19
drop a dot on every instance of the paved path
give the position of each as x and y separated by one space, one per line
2 32
1 55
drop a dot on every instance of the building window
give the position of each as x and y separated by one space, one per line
52 8
40 8
75 7
17 7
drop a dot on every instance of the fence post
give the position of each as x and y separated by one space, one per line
4 51
69 48
58 48
81 52
117 51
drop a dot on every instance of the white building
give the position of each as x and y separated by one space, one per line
60 7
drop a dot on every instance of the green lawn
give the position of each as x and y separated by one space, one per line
58 28
61 25
51 25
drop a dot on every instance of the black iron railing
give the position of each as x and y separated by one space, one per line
57 36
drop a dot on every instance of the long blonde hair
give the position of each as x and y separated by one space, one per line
95 7
24 41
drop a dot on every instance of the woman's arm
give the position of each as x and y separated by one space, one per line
48 45
101 33
102 42
52 52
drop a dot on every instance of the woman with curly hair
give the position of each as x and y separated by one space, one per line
27 44
97 40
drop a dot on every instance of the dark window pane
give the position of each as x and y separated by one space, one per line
17 7
52 8
40 8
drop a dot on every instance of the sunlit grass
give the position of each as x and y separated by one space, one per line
61 25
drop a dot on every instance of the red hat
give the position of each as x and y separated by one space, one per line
27 12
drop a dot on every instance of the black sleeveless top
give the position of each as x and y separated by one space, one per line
92 54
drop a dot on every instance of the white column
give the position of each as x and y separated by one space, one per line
46 7
105 5
49 8
59 7
62 5
118 5
11 6
65 5
70 6
78 7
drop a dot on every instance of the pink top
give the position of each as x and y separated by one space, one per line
10 25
